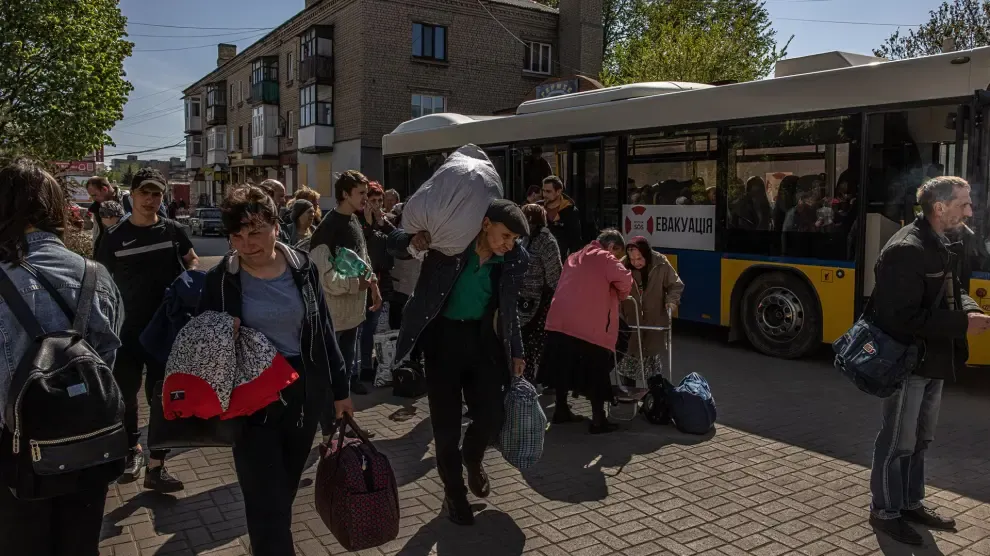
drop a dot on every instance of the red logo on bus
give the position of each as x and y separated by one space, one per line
636 223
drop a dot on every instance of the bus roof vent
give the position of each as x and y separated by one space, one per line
822 62
609 94
436 121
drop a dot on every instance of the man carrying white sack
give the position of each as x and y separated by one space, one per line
472 269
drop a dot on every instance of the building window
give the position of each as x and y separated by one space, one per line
537 58
240 137
216 139
232 95
315 43
316 105
288 66
424 105
264 70
290 125
429 42
232 142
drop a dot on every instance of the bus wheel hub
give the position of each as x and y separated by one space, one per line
780 314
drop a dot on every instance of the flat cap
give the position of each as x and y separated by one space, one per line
508 213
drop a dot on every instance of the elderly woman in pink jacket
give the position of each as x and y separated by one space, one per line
583 326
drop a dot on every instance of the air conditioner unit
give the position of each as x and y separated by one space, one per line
280 131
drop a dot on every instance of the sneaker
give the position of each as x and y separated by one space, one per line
132 467
160 480
897 529
458 510
929 518
477 480
357 387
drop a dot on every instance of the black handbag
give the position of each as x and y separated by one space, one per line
189 432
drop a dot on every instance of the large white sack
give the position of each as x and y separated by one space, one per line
452 203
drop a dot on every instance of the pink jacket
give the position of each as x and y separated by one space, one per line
586 303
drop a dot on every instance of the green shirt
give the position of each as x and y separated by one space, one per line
473 289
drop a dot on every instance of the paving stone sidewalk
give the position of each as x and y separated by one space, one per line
786 472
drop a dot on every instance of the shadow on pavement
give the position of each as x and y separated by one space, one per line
193 523
576 465
808 404
493 533
890 547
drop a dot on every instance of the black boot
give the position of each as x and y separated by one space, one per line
458 509
929 518
599 422
897 529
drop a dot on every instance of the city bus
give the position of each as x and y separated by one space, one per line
771 198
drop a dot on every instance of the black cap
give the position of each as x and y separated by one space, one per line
508 213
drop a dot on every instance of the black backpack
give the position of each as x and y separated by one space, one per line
64 419
656 402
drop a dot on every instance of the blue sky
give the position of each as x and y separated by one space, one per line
153 117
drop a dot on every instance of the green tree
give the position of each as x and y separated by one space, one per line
62 83
125 179
684 40
967 22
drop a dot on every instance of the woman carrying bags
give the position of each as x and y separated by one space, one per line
657 289
274 289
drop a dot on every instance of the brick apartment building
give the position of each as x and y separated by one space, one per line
315 96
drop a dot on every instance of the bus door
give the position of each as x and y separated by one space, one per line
584 184
500 159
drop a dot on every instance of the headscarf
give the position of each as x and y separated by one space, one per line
643 246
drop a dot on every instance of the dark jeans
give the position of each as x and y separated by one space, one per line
132 360
458 361
897 480
366 339
65 526
269 460
347 340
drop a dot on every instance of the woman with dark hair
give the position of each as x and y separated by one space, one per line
300 227
785 201
538 285
657 289
33 212
582 328
275 289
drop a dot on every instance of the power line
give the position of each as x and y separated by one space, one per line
140 116
522 42
141 134
211 45
180 86
873 23
152 109
151 150
206 36
204 28
176 111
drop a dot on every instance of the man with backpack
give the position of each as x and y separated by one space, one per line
919 300
48 287
145 253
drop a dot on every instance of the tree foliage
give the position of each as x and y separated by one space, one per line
685 40
967 22
62 83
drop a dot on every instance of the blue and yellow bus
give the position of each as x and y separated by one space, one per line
772 198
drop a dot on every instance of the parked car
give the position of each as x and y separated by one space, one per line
206 221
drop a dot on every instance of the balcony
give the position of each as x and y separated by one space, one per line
194 152
216 104
316 69
264 129
265 92
194 115
216 146
315 139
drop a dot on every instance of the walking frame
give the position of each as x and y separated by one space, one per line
631 396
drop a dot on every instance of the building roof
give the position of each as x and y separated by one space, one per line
530 4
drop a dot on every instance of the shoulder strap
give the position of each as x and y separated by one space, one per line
86 294
19 307
52 291
170 227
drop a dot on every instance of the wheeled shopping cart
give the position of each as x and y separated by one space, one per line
626 400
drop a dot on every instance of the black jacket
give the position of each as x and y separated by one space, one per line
436 280
909 275
324 365
566 229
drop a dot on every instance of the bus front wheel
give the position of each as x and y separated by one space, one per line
780 315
